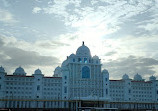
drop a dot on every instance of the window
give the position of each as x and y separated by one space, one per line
65 77
79 60
85 60
85 72
0 87
38 87
73 60
106 91
65 104
106 79
65 89
129 91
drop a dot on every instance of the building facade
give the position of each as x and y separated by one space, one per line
79 82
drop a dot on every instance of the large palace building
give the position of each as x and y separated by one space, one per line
80 83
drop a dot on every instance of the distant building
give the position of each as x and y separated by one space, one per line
79 82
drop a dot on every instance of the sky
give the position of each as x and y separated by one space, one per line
42 33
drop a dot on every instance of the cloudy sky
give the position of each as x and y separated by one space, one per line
41 33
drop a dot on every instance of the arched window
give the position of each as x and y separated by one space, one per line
85 60
79 60
85 72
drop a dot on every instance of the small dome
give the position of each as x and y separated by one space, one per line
105 71
95 57
2 70
57 72
37 71
152 78
125 77
83 51
58 68
138 77
72 56
64 63
19 71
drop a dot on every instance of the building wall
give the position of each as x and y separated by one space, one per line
131 90
30 91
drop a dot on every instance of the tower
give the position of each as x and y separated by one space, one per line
82 77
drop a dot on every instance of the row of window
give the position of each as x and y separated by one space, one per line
141 92
142 99
52 93
52 80
137 88
17 92
87 94
28 104
88 82
18 97
89 91
85 60
31 79
116 83
55 89
139 84
117 91
142 96
116 87
18 83
52 84
142 88
119 95
54 97
27 88
118 99
20 79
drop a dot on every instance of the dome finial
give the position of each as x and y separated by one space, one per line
83 51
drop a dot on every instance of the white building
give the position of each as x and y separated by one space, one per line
137 92
79 82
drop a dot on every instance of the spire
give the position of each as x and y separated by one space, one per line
83 43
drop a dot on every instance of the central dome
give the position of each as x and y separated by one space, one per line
83 51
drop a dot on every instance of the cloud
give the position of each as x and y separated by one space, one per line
6 16
12 56
110 53
100 15
51 44
5 3
16 57
36 10
131 65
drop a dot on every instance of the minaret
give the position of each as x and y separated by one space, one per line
82 43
